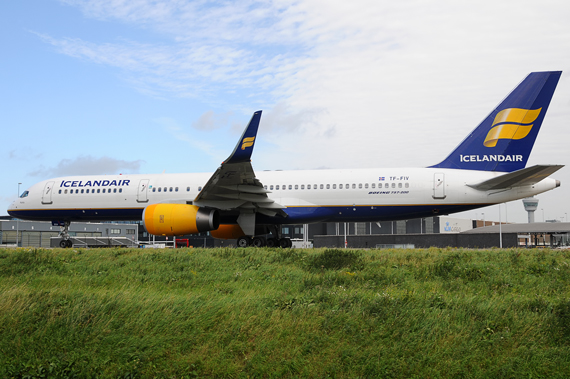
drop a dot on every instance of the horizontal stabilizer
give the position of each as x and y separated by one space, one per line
526 176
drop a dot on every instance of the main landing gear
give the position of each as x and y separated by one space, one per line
64 233
276 240
258 241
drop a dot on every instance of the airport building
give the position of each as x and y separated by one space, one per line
40 233
439 231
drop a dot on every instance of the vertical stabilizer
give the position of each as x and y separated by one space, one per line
504 140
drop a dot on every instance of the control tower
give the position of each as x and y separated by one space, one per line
530 205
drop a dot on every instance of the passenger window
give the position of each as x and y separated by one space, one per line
176 189
290 187
399 185
120 190
348 186
359 185
277 187
103 190
271 187
353 186
340 186
60 192
407 185
159 189
365 185
328 186
170 189
165 189
308 186
114 190
334 186
98 190
296 186
65 192
82 191
199 189
154 189
322 186
393 185
302 186
373 185
187 189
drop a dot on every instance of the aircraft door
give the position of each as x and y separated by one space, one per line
439 185
142 194
48 190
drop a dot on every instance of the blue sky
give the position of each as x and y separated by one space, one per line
143 86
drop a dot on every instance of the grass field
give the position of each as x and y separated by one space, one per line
263 313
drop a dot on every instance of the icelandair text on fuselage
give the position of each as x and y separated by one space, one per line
94 183
491 158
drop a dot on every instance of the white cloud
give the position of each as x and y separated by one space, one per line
87 165
342 84
211 121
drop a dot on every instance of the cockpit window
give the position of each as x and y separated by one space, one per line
25 194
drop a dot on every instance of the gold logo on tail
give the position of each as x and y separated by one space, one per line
247 142
515 123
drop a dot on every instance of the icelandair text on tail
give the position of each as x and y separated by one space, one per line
491 158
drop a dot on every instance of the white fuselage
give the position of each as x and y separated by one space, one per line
309 196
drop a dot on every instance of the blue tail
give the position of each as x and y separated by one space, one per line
504 140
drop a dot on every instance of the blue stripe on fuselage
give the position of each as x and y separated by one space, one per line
296 215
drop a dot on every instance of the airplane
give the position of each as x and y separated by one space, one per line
235 202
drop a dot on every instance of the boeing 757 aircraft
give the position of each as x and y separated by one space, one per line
235 202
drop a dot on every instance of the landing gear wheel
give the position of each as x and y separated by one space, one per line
243 242
258 242
65 244
285 243
272 242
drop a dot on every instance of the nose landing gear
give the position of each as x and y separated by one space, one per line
64 233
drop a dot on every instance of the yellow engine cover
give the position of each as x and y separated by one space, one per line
178 219
227 232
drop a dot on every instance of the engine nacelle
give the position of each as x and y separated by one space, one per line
178 219
227 232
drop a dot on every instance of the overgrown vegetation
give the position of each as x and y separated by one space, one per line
263 313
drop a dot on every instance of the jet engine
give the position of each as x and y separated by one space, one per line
178 219
228 231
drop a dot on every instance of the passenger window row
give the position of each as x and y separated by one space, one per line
290 187
112 190
171 189
91 190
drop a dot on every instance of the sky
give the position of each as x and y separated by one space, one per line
146 86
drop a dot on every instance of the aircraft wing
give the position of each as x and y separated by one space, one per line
523 177
234 186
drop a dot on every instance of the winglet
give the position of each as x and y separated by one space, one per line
244 148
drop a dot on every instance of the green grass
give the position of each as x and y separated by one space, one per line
263 313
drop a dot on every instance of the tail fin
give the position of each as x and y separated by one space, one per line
504 140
